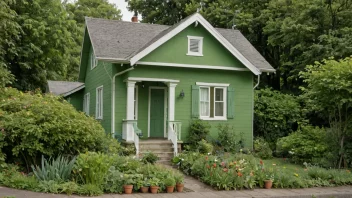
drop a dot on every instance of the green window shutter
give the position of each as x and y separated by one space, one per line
230 103
195 101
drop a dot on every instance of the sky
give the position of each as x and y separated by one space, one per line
122 5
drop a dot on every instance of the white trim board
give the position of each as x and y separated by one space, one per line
212 84
192 66
165 108
196 18
73 90
137 79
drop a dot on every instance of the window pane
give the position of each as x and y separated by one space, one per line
194 45
219 108
219 94
204 94
204 110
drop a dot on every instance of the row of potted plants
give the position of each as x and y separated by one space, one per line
153 184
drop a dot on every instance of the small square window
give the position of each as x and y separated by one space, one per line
195 46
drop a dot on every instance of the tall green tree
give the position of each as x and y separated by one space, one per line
329 92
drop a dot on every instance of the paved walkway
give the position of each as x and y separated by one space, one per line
331 192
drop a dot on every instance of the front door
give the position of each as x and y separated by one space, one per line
157 112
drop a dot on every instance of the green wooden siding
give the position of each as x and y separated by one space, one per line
241 82
76 99
175 50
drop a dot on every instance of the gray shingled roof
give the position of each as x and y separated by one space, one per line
62 87
112 39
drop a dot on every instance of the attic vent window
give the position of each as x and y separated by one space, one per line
195 46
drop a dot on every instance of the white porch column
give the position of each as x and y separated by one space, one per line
130 110
171 98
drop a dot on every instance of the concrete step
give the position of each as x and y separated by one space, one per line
165 162
154 150
162 154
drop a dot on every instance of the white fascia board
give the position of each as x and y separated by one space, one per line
212 84
112 60
192 66
73 90
137 79
206 25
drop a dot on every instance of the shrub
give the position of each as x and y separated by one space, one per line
149 157
58 170
90 190
199 130
262 149
204 147
276 115
113 182
228 140
169 181
305 145
91 168
36 125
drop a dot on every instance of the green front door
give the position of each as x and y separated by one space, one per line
157 109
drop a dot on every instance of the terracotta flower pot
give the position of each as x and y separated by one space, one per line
179 187
144 189
170 189
154 189
128 189
268 184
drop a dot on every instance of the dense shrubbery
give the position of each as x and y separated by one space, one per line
228 140
262 149
244 171
36 125
199 130
275 115
93 174
308 145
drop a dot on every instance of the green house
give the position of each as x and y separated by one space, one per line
151 80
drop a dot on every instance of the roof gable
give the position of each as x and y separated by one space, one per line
175 50
196 18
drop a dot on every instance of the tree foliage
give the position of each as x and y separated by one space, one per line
329 92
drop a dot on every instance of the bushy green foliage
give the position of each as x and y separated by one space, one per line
90 190
262 149
170 181
36 125
113 181
91 168
228 140
204 147
149 157
199 130
275 115
58 170
305 145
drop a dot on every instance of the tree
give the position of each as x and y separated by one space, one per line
329 92
40 39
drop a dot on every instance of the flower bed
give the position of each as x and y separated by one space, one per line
240 171
92 174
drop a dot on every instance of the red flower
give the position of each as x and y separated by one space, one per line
225 169
239 174
223 164
206 158
214 165
261 162
208 166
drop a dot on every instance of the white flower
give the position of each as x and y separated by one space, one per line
215 160
208 153
182 159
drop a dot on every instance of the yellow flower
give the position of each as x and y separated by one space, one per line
295 174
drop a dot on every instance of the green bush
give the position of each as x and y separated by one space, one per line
91 168
204 147
305 145
276 115
36 125
228 140
199 130
262 149
89 190
58 170
113 181
170 181
149 157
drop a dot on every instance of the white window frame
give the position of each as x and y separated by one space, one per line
99 107
86 101
215 86
200 101
93 61
136 103
200 46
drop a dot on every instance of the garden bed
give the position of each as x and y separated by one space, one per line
240 171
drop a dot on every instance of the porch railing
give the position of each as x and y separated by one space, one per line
131 133
174 133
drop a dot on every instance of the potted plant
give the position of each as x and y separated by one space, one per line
170 184
128 184
154 185
179 182
144 187
268 182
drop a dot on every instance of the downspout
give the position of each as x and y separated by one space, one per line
113 99
253 107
